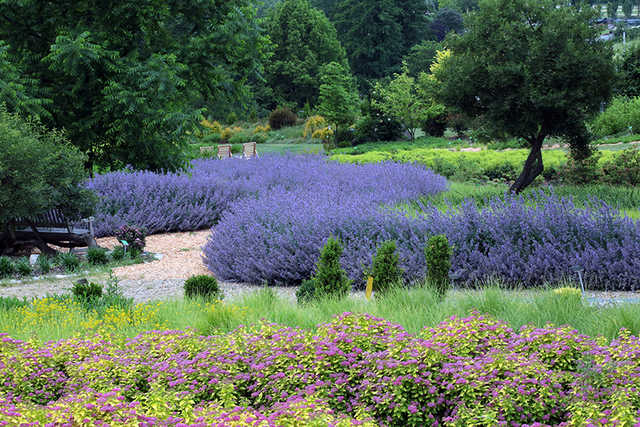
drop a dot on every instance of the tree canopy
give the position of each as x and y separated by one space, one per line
128 79
531 69
304 40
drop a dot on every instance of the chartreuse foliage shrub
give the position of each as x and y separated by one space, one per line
438 254
355 369
385 271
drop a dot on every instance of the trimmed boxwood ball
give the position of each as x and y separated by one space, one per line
202 286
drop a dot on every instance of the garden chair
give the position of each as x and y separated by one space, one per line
249 150
224 151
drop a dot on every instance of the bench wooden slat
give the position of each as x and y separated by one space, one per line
249 150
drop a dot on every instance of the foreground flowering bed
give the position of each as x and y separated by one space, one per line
355 370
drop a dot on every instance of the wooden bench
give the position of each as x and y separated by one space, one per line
53 228
249 150
224 151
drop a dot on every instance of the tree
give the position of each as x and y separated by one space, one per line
376 34
532 70
463 6
408 101
39 170
421 56
627 8
612 9
18 92
338 100
445 21
304 40
129 79
630 73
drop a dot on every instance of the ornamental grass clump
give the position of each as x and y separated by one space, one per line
202 286
385 271
7 267
97 256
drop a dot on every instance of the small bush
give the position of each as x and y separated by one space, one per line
438 254
582 171
86 291
117 253
202 286
23 267
214 126
306 292
385 270
331 279
232 117
435 126
248 136
7 268
97 256
621 116
313 124
623 169
212 139
134 236
282 117
44 264
69 262
8 303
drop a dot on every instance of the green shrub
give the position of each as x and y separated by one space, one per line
282 117
97 256
117 253
68 261
134 236
248 136
622 115
385 271
331 279
8 303
212 138
435 126
202 286
232 117
86 291
623 169
306 292
7 268
438 254
582 171
23 267
44 264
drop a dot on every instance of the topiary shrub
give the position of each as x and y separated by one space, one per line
385 270
438 254
97 256
202 286
6 267
282 117
330 278
306 292
23 267
86 291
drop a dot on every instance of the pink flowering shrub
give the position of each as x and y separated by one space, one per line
354 370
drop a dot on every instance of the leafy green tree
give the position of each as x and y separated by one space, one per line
464 6
627 8
612 8
444 22
409 101
546 79
18 92
421 56
129 79
39 170
304 40
377 34
338 100
629 72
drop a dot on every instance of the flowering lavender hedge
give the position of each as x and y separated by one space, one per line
197 199
354 370
520 241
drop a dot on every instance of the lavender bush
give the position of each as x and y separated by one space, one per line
524 242
197 199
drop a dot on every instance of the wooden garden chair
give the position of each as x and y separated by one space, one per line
249 150
224 151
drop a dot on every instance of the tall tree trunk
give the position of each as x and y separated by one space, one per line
532 167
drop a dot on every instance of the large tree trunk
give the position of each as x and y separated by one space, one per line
532 167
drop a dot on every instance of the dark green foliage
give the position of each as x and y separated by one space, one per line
84 290
97 256
435 126
385 271
623 169
202 286
546 81
627 8
338 100
134 236
68 261
377 34
421 56
39 171
438 254
306 292
7 268
117 253
612 8
446 21
582 171
19 92
331 280
8 303
23 267
630 73
128 80
304 40
44 264
375 125
282 117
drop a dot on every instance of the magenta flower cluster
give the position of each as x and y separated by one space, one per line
354 370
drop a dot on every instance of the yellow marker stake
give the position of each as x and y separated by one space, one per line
369 287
